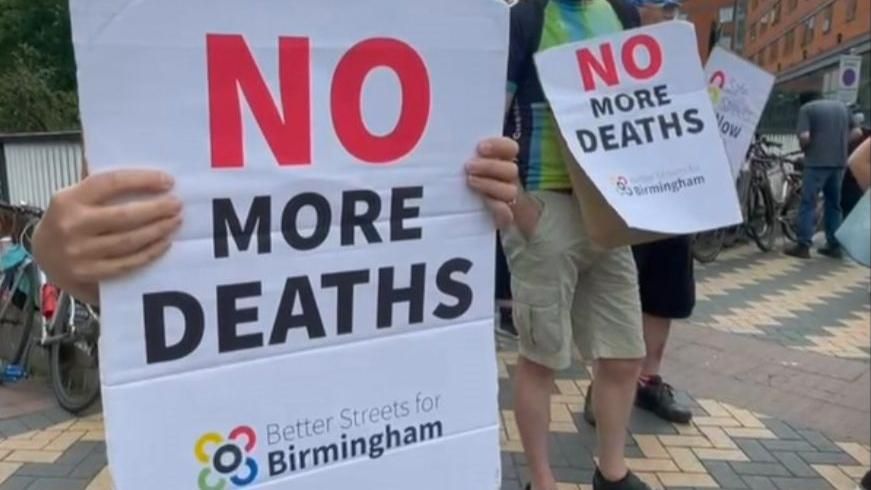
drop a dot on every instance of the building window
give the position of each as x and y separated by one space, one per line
727 14
753 31
763 23
852 7
827 18
808 31
789 42
776 13
773 50
725 42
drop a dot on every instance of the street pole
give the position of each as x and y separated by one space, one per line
734 25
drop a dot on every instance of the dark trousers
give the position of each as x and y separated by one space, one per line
503 276
829 181
851 193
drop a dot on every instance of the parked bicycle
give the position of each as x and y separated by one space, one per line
760 206
34 312
19 290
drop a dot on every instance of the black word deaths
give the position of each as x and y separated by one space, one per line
641 130
299 308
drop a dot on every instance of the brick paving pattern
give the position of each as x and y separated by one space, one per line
781 341
726 447
819 305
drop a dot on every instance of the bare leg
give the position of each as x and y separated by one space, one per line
532 404
613 398
656 331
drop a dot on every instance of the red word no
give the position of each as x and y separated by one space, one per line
604 66
233 72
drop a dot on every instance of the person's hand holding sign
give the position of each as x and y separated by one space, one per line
493 174
85 237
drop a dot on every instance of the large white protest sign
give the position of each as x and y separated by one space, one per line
635 112
324 317
739 90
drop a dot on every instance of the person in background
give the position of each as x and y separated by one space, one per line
860 166
824 128
850 191
654 11
567 291
503 292
670 10
668 291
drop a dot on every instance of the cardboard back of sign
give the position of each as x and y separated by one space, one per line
602 222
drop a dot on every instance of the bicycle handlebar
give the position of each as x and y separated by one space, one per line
21 209
769 143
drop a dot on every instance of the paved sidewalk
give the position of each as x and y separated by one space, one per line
819 305
726 447
776 361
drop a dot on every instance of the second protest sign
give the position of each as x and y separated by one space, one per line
634 111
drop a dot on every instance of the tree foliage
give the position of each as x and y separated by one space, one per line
37 67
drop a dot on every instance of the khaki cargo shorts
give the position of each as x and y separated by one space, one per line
567 288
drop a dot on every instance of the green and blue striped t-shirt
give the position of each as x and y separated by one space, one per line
537 25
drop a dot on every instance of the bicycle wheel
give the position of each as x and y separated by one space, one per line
708 245
761 217
73 356
789 216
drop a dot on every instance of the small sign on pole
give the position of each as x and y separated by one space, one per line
849 76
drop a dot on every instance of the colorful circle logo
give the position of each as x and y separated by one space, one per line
716 85
228 459
622 184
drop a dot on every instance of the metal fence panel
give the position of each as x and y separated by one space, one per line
36 169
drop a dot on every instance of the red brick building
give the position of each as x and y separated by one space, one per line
785 34
802 40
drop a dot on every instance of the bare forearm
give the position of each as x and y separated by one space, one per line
860 164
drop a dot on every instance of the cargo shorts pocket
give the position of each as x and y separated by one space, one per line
538 318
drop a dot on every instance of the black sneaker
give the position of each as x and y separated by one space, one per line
831 252
798 251
589 413
657 396
866 482
629 482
